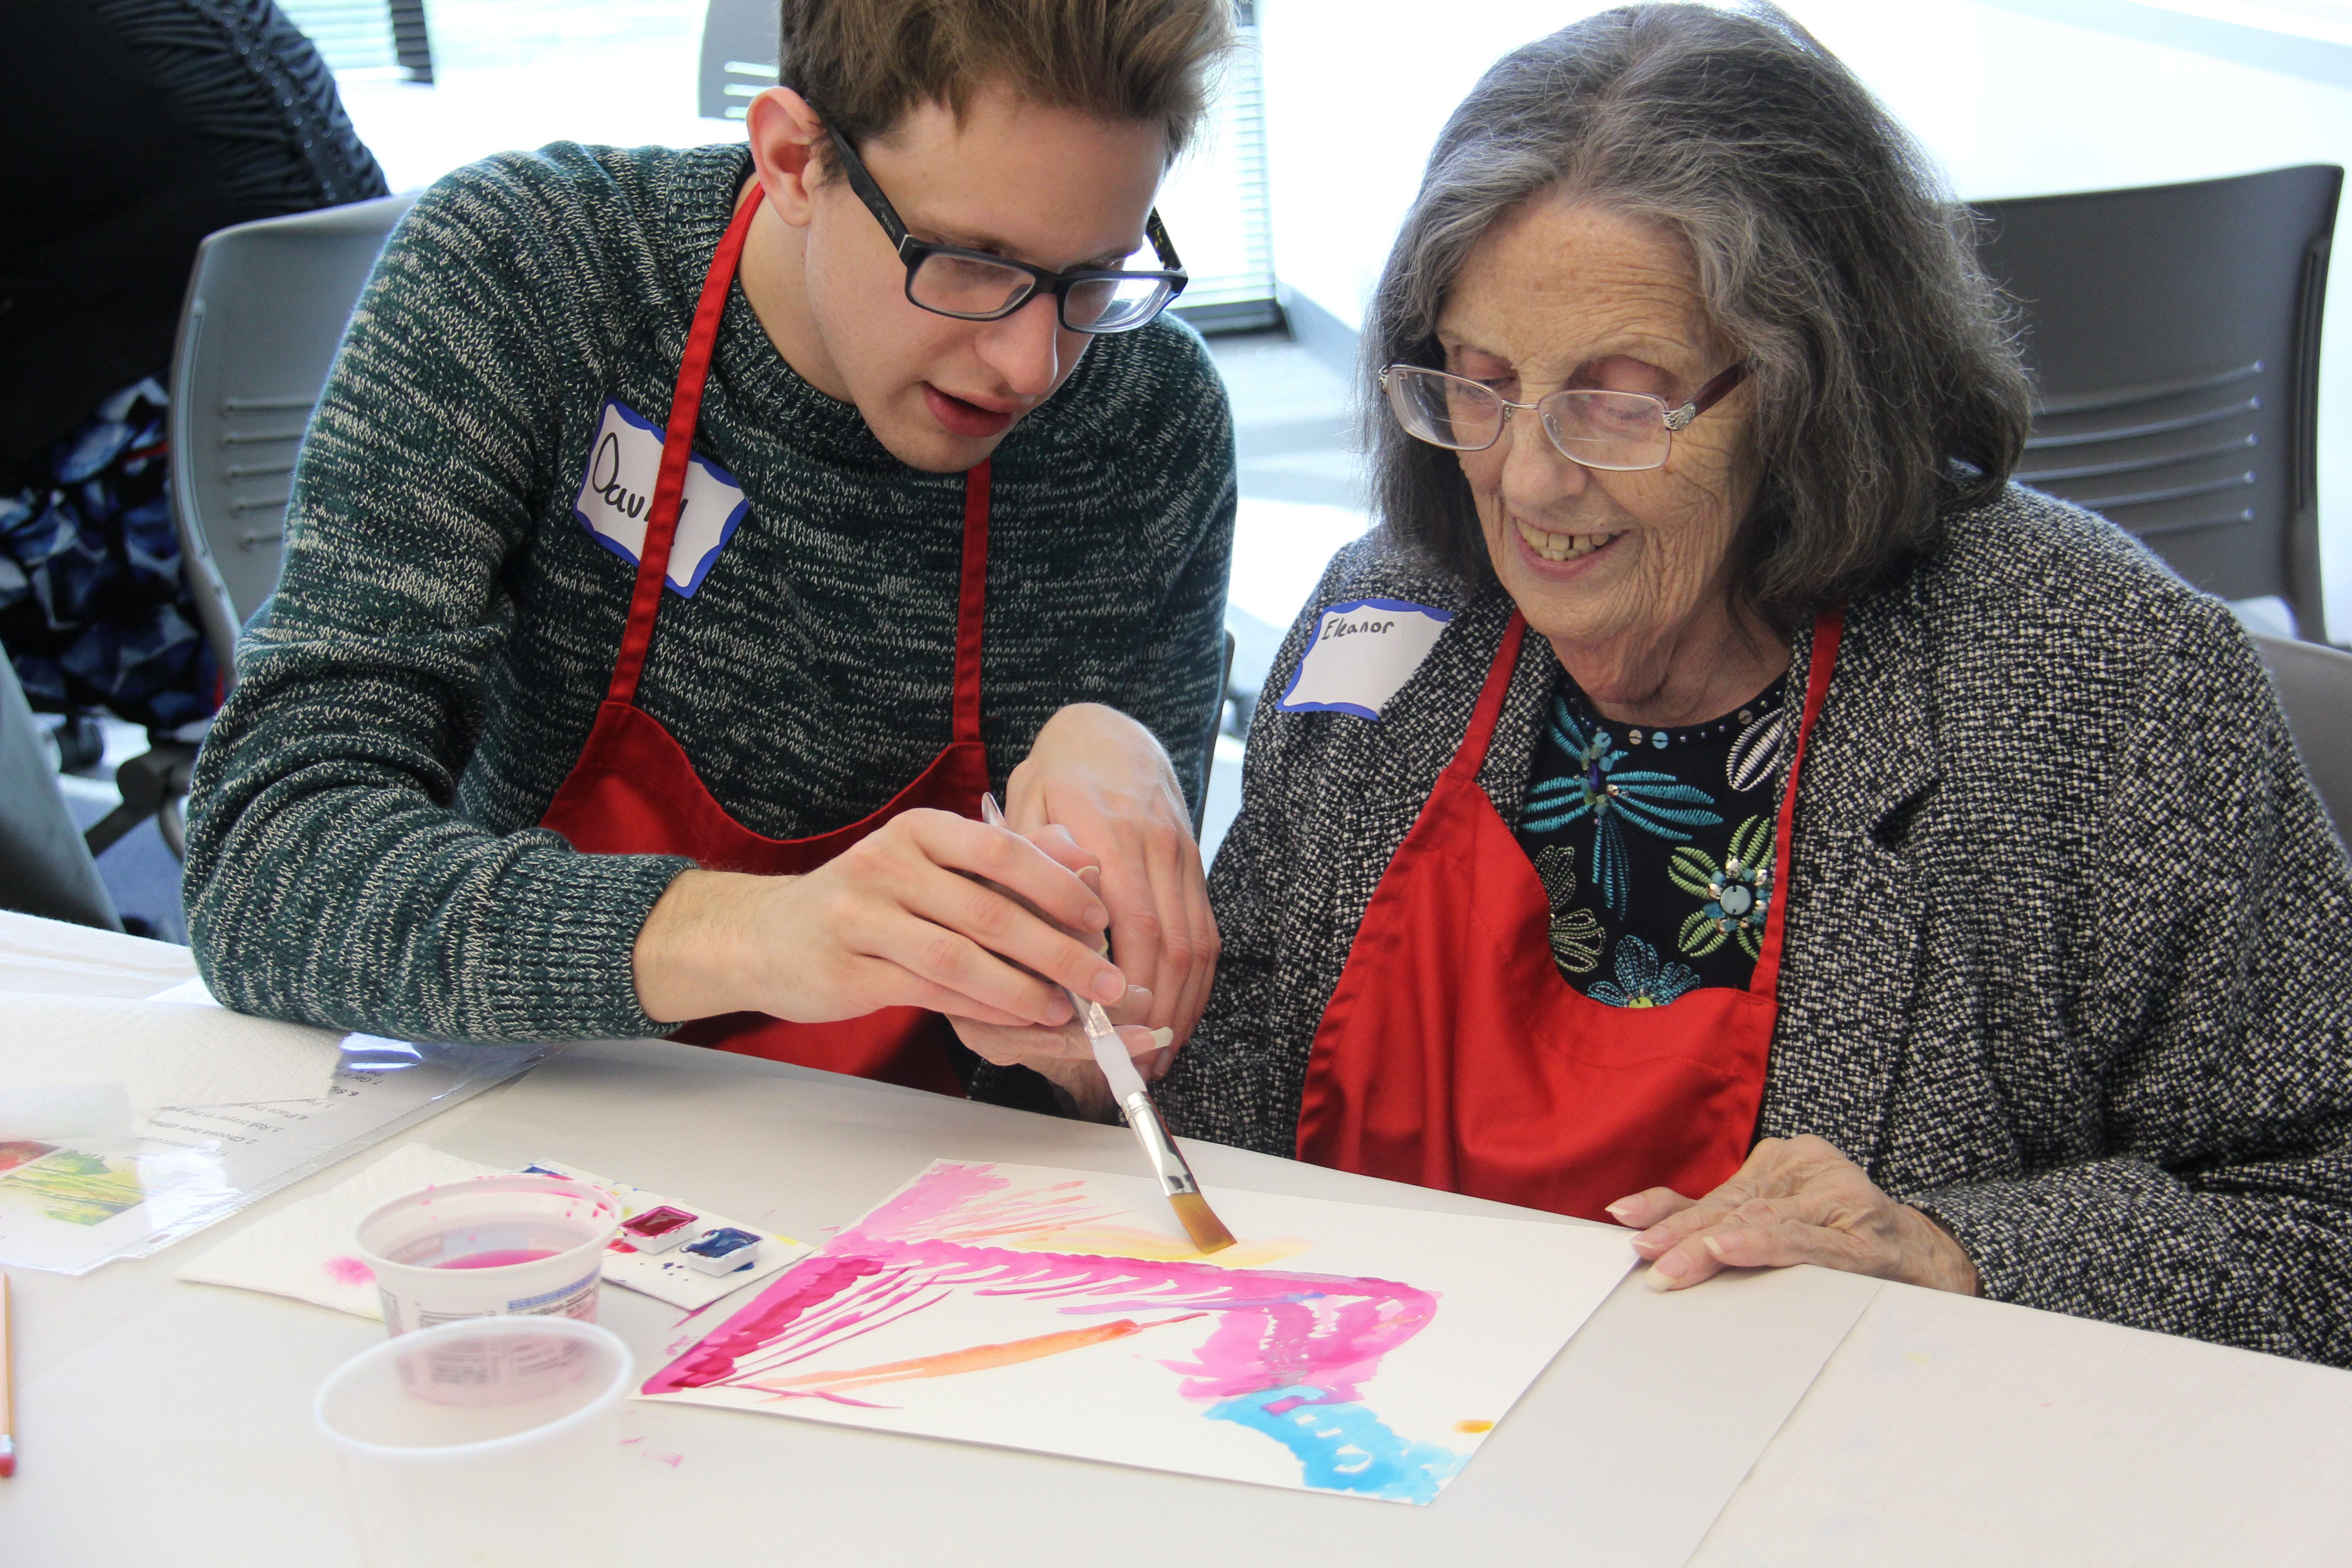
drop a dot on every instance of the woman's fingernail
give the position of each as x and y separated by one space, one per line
1616 1211
1649 1238
1662 1278
1058 1009
1715 1244
1163 1039
1092 877
1109 985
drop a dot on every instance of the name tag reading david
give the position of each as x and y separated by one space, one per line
1364 651
623 461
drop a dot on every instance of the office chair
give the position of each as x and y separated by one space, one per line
265 312
739 57
2174 336
44 867
2315 689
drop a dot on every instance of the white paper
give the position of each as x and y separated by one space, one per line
163 1054
1363 653
1335 1347
309 1249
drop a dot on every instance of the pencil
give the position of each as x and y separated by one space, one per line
7 1391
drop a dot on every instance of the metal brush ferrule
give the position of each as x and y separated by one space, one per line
1166 1160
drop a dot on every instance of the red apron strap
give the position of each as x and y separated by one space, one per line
678 447
1827 631
1471 755
972 603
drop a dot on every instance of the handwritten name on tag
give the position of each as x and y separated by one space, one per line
1364 651
617 492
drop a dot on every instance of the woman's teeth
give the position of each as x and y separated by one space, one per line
1563 546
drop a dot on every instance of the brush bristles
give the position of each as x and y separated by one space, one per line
1201 1222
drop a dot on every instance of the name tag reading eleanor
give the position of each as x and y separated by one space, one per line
1364 651
617 492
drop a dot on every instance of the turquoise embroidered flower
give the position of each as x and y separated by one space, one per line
1738 893
1642 980
1657 804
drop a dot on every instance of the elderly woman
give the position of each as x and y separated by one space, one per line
1718 800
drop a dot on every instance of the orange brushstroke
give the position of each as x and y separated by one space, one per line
1154 1246
976 1358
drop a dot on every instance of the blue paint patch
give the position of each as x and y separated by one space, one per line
1344 1447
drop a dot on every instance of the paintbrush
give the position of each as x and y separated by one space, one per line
7 1389
1176 1179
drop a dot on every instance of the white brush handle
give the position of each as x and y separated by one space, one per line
1110 1051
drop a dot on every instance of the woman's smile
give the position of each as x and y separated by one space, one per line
1555 548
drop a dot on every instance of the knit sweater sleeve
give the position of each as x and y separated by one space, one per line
2217 1209
329 877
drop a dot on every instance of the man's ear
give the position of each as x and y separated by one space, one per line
784 132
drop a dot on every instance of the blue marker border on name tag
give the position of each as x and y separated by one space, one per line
726 530
1444 618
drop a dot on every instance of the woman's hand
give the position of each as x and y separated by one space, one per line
1066 1058
1102 775
1797 1200
897 920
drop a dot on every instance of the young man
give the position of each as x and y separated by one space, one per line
684 540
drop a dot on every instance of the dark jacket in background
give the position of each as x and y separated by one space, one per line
134 128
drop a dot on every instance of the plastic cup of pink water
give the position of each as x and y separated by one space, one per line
520 1245
522 1476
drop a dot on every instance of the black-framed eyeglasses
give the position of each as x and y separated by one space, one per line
1624 432
973 285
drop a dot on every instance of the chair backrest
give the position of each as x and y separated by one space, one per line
2314 688
739 57
265 309
2174 334
44 867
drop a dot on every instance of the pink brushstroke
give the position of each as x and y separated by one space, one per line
1273 1327
349 1271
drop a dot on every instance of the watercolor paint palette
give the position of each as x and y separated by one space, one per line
670 1273
1336 1347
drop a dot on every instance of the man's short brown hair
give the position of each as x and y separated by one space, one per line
865 63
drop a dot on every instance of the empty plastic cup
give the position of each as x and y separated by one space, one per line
522 1474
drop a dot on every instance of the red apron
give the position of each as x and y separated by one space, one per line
1453 1055
634 791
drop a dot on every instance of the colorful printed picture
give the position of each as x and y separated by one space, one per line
69 1186
1336 1348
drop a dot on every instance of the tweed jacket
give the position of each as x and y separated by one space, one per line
2068 935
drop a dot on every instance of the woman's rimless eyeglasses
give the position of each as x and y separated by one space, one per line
973 285
1619 431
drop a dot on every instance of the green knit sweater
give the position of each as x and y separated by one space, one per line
363 850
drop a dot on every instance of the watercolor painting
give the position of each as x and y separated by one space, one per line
71 1186
1336 1348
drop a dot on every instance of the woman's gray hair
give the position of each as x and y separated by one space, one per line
1884 374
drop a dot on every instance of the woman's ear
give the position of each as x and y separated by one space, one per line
784 132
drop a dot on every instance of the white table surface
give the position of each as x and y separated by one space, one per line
166 1422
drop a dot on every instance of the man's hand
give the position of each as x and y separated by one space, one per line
1102 775
897 920
1797 1200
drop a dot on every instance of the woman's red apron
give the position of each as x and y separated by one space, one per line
1453 1055
634 791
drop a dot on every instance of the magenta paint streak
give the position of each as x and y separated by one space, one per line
1273 1327
349 1271
498 1257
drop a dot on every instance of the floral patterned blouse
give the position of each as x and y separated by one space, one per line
1655 846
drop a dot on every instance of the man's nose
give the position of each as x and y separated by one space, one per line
1025 348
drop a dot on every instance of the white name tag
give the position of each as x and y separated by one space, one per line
623 461
1364 651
